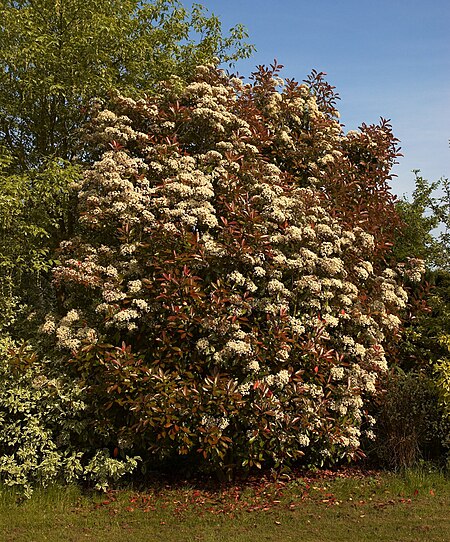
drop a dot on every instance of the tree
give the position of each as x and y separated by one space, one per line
34 212
426 224
425 349
425 235
57 56
227 296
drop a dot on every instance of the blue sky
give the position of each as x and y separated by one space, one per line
386 58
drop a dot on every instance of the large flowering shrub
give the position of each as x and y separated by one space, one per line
228 295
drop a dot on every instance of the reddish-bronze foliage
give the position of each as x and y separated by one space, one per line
238 240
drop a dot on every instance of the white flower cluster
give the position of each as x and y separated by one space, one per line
70 331
414 269
278 380
210 422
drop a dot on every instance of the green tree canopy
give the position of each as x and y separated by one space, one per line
56 55
426 224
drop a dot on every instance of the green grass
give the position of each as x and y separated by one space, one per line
414 506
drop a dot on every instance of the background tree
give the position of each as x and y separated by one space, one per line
34 214
56 56
426 224
414 420
425 235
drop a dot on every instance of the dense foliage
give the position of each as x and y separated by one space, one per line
44 426
424 352
227 296
412 424
56 56
55 59
35 212
204 271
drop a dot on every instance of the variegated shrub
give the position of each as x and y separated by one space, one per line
45 427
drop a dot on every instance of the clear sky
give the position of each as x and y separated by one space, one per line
386 58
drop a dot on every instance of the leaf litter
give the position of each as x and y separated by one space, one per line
255 494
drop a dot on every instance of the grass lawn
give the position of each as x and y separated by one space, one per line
346 505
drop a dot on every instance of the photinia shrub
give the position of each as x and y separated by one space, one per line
228 296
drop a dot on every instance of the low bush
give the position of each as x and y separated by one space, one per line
411 422
46 428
